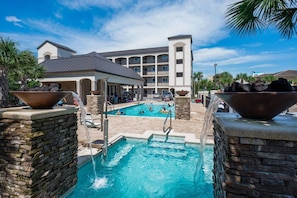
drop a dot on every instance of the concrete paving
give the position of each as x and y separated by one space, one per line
139 125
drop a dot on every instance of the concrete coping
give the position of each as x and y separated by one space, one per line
281 127
27 113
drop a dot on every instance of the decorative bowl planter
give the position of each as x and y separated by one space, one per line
40 99
95 92
182 93
259 105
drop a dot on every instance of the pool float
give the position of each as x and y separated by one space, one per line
164 111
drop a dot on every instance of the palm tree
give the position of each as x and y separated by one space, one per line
225 79
197 76
27 69
268 78
8 60
242 77
248 16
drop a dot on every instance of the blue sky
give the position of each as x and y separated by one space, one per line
111 25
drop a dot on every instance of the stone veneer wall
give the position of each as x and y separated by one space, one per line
182 107
95 104
38 152
255 158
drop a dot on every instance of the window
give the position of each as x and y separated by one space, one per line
137 69
179 49
47 57
165 68
165 80
179 61
134 60
179 74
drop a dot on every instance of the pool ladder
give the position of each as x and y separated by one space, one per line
110 105
168 129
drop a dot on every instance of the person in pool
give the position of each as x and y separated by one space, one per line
163 110
150 108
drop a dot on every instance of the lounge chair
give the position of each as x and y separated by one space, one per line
90 121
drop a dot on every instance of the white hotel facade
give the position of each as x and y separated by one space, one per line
159 69
163 68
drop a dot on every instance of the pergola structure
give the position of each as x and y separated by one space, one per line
82 74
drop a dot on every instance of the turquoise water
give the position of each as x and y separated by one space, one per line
147 169
146 110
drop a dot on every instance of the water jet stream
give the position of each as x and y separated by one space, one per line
83 116
206 129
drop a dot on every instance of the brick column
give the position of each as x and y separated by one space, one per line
95 104
182 107
255 158
38 152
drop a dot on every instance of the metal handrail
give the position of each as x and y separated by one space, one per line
110 105
170 125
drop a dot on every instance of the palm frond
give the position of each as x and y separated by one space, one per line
240 17
285 21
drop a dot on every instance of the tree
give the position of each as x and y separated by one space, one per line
27 70
225 79
242 77
268 78
196 76
8 61
248 16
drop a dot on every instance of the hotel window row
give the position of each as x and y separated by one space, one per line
163 68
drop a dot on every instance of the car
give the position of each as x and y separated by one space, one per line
167 95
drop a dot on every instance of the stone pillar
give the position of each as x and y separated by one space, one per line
95 104
183 107
255 158
38 152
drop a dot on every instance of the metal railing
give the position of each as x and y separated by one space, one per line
168 129
110 105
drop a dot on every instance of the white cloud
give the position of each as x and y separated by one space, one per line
262 66
14 20
85 4
142 24
216 53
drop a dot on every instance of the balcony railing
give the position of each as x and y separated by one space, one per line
166 73
150 84
149 73
163 84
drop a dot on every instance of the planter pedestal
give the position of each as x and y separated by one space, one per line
254 158
38 151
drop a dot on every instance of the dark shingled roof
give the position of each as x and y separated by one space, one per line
181 36
135 52
57 45
287 73
88 62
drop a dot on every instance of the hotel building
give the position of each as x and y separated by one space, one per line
163 68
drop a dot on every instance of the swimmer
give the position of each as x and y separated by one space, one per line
150 108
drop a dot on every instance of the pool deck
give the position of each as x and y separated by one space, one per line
139 126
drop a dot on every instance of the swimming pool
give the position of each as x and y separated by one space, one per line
145 110
147 168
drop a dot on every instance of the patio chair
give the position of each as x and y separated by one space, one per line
90 121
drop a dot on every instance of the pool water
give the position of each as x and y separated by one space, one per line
146 110
138 168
